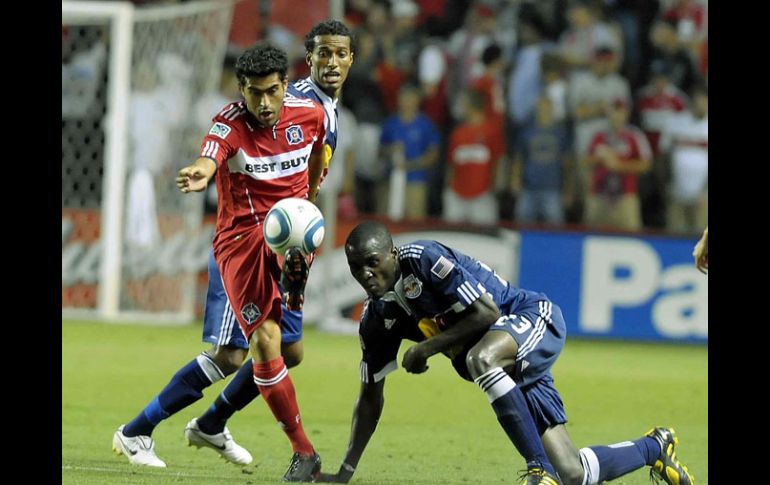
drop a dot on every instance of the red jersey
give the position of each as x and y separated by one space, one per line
494 102
473 153
656 109
629 144
257 166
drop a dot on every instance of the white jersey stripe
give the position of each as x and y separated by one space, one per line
272 381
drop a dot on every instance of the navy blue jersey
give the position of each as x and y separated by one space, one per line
384 324
440 282
436 284
307 88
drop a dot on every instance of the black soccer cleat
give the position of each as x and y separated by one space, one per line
293 278
667 467
538 476
303 468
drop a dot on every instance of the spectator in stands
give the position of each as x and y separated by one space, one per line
617 157
657 102
578 43
684 143
476 151
668 49
410 139
589 94
554 84
525 82
542 162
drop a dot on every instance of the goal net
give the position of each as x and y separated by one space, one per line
132 244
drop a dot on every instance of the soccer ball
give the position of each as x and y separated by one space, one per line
294 222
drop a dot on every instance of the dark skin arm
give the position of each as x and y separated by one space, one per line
366 415
316 165
475 320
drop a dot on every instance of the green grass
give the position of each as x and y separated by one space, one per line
435 429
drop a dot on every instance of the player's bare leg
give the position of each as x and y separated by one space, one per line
486 362
601 463
272 378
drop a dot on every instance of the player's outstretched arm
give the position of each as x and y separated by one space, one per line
366 415
701 252
474 321
195 177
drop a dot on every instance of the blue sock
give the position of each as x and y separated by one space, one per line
513 414
608 462
240 391
183 389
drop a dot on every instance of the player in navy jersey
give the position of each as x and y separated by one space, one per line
505 339
330 49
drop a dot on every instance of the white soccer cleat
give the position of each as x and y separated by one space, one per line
223 443
140 450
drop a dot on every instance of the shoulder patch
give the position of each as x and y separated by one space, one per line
221 130
442 267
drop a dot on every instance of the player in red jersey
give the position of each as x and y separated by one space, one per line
262 150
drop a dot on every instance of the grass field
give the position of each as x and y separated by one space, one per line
435 429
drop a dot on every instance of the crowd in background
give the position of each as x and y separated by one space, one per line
549 112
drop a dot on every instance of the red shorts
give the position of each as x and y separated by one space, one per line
250 273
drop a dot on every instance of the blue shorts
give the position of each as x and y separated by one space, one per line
220 327
540 332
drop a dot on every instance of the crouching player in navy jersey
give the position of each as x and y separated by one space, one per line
504 339
329 53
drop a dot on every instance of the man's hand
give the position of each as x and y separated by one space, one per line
701 253
415 360
192 178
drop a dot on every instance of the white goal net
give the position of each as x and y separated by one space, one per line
132 245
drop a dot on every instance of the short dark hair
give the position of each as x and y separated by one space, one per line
492 53
368 230
329 27
261 60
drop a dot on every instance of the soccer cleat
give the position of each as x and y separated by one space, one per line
667 466
303 468
223 443
538 476
140 450
293 278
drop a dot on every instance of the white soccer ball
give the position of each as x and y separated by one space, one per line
294 222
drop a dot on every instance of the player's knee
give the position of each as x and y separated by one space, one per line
293 354
293 360
480 360
228 359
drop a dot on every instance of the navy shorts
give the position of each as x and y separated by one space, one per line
540 332
220 326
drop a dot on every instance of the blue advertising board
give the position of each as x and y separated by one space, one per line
625 287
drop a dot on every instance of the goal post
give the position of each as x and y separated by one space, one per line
131 242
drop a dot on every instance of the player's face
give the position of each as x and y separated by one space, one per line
264 97
330 62
375 268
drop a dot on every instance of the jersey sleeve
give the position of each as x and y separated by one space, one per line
384 324
439 268
220 142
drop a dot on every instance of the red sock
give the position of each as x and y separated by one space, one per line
274 383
